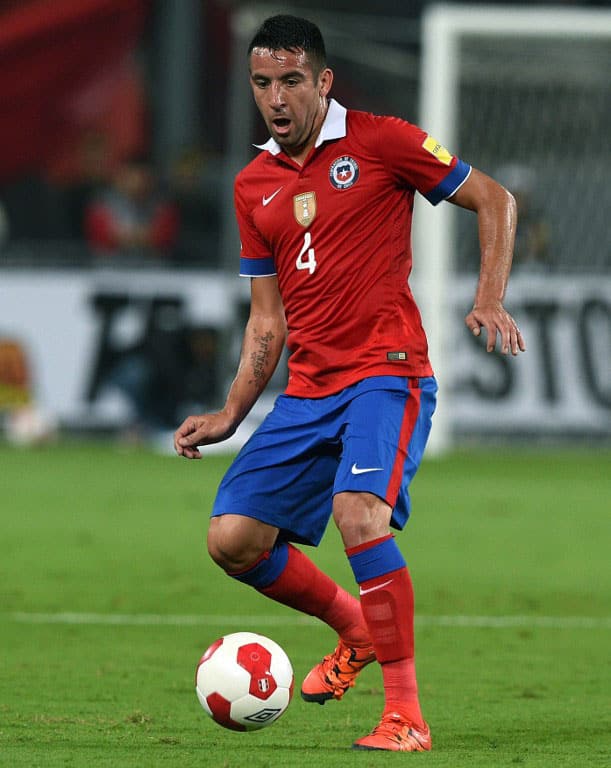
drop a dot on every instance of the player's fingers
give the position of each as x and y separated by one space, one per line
185 429
491 331
184 436
472 324
516 340
188 451
177 446
507 330
189 448
506 342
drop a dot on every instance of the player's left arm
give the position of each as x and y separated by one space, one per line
497 218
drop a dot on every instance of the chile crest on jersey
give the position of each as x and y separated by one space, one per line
344 172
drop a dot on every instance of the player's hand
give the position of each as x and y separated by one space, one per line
495 320
206 429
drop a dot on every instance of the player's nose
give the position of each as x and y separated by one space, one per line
276 95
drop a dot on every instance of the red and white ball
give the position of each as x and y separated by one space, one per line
244 681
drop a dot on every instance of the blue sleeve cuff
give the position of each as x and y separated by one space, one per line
446 188
257 267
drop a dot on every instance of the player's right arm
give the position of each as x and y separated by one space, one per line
262 346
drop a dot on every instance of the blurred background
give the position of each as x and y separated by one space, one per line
123 123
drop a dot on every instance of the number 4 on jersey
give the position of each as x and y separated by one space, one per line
306 258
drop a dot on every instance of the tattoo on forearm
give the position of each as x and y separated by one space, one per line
259 359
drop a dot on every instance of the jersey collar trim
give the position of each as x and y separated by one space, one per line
334 127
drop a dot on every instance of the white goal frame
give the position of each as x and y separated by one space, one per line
442 27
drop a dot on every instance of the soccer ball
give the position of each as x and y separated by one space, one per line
244 681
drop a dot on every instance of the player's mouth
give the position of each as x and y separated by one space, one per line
282 126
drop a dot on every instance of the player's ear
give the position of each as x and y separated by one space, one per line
325 81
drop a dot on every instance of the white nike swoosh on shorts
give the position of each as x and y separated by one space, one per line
373 589
357 471
267 200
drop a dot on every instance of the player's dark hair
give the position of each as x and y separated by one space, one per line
291 33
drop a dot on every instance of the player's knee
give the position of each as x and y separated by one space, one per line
227 552
233 545
360 517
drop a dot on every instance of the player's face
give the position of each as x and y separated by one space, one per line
291 99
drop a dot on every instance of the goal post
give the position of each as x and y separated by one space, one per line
533 46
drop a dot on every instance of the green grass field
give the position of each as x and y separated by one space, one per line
107 600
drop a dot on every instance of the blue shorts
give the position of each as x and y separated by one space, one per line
369 437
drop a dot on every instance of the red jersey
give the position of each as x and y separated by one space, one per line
336 231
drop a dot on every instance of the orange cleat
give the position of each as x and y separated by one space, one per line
396 735
336 672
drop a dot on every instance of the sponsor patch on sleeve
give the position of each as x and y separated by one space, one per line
438 150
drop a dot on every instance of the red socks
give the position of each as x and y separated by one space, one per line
303 586
387 603
401 690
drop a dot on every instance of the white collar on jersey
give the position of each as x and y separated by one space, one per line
334 127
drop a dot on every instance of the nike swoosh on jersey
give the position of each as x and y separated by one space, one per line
373 589
358 471
267 200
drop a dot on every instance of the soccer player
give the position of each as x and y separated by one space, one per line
324 214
